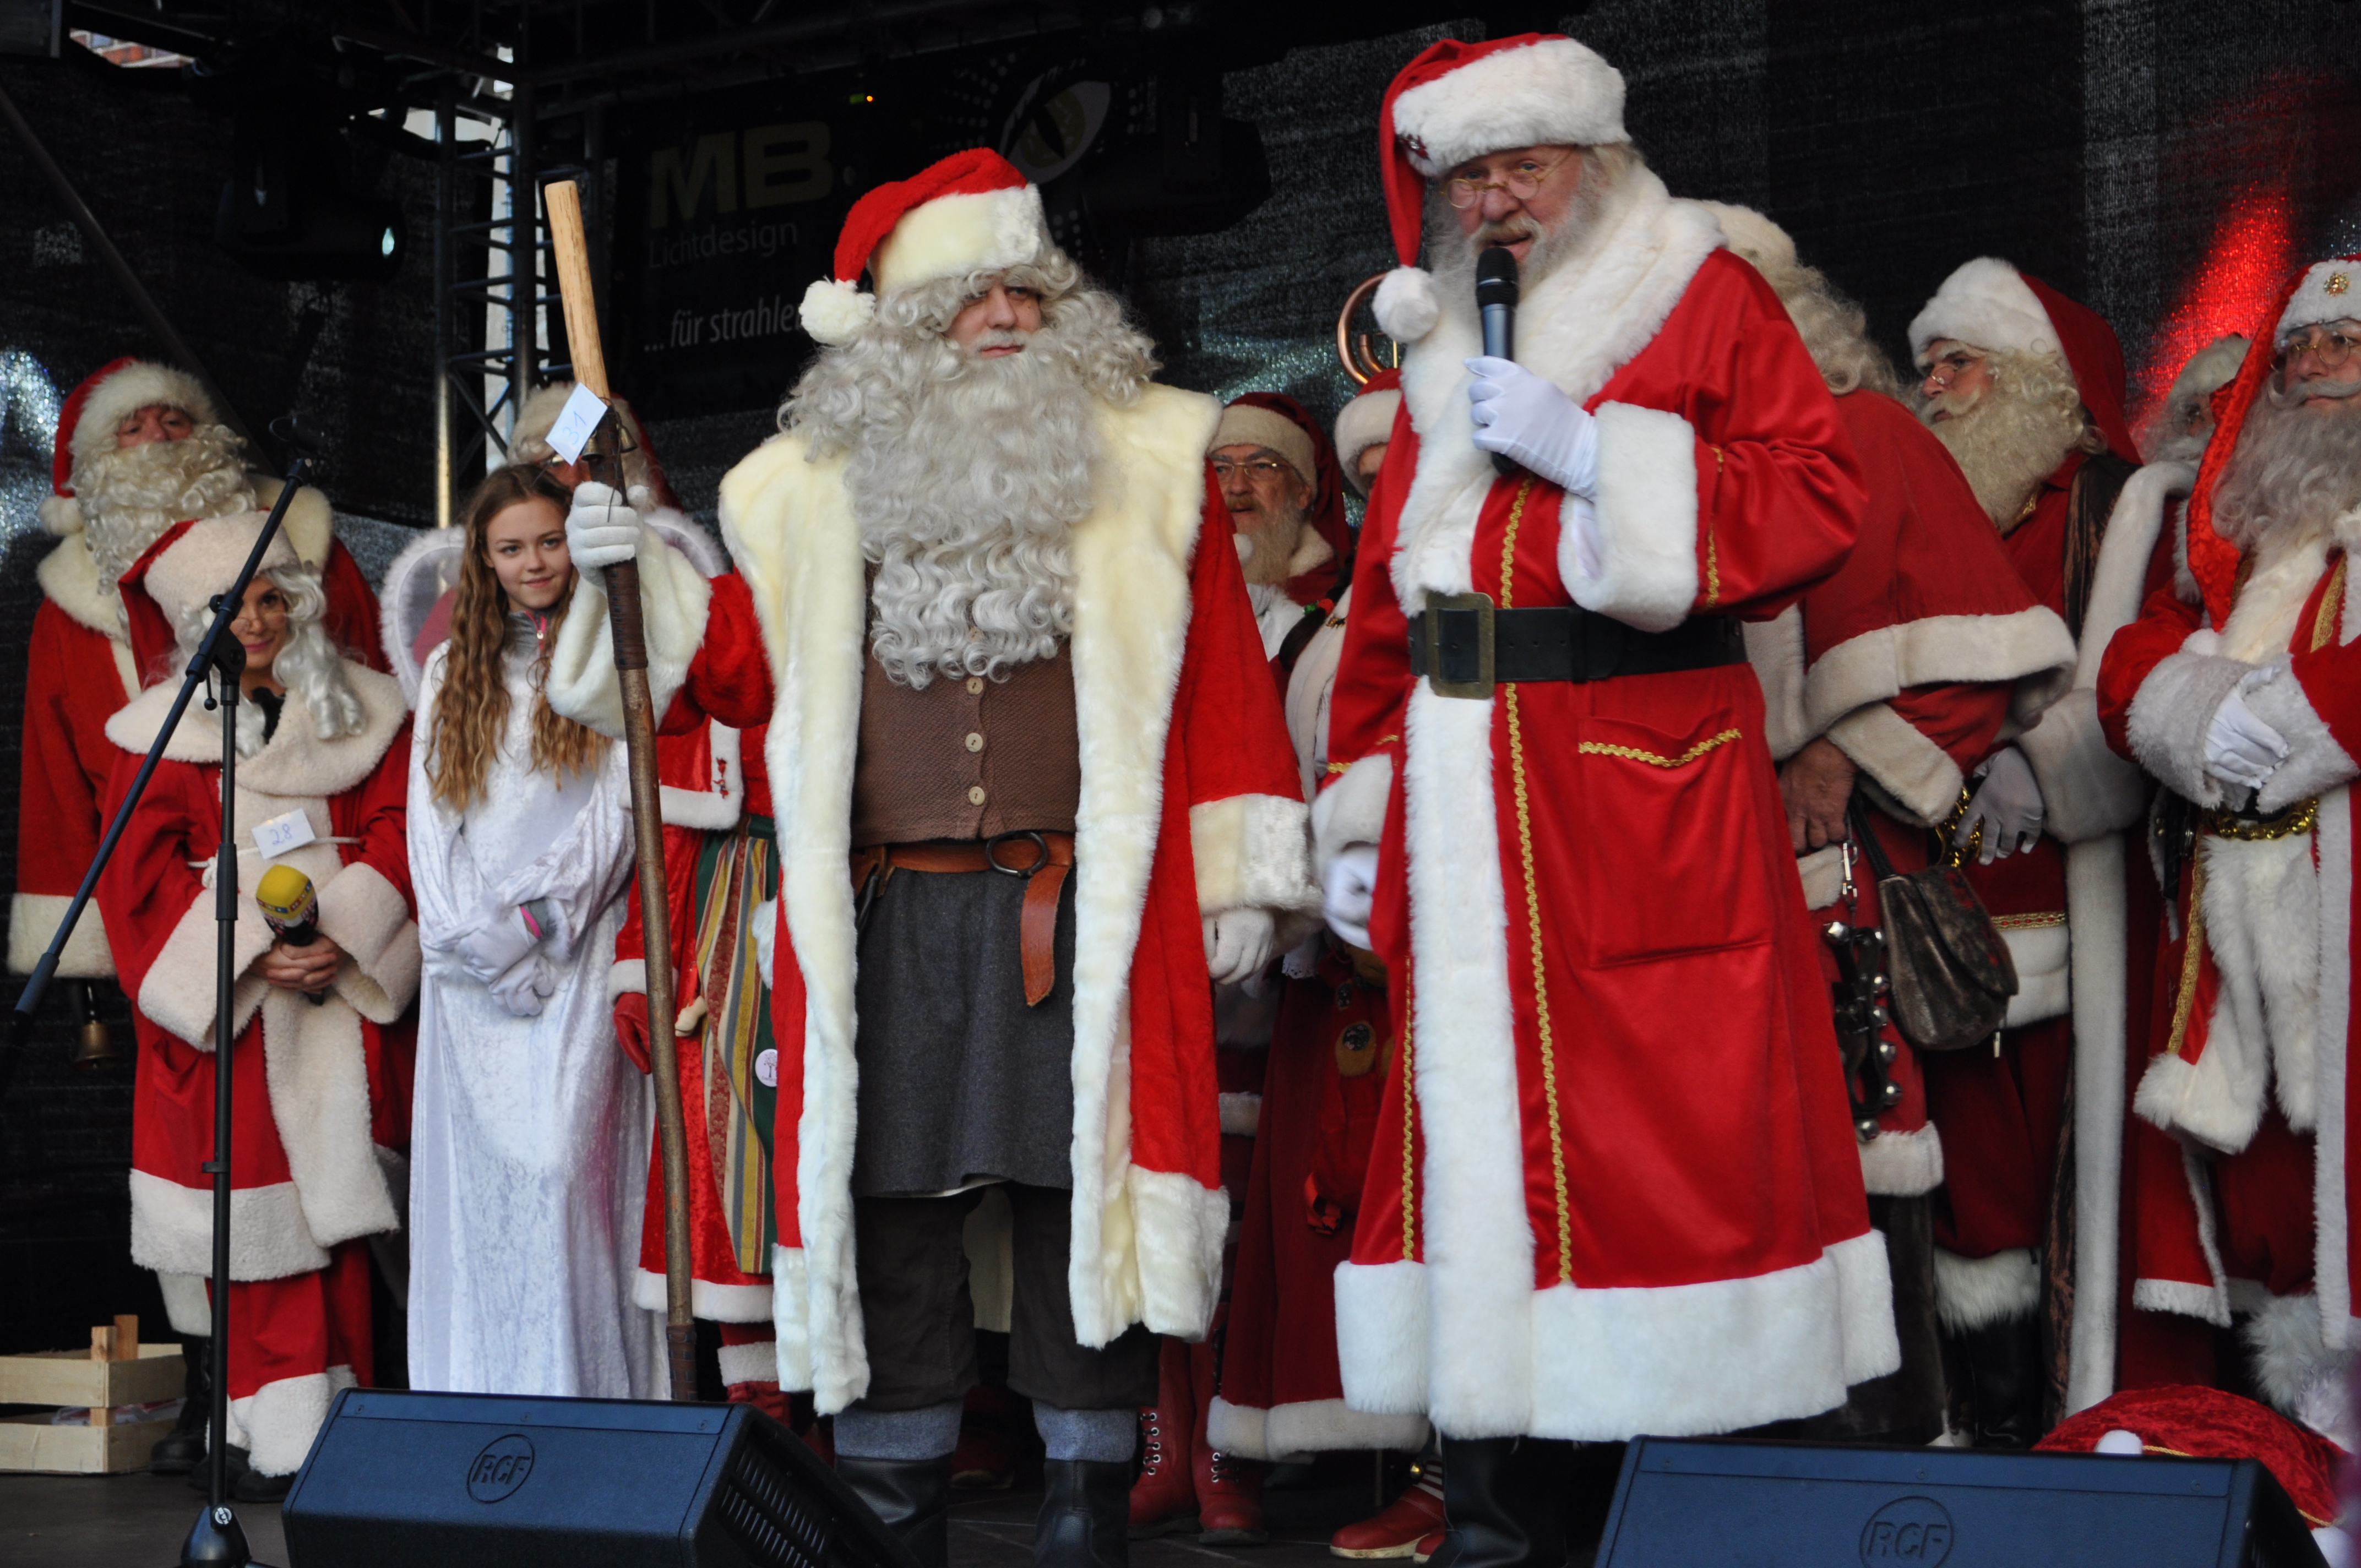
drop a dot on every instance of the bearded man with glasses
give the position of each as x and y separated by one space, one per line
1616 1188
2239 689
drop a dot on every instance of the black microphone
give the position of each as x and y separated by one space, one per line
300 434
1496 302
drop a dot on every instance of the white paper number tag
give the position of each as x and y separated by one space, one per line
280 834
576 420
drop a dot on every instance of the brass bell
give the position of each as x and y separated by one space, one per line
94 1046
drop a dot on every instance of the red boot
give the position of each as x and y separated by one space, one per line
1164 1498
1399 1530
1229 1489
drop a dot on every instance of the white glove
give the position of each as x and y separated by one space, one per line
2240 748
767 938
1237 943
495 943
1352 886
1528 420
602 528
525 987
2007 806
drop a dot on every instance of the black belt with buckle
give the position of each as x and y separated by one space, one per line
1462 646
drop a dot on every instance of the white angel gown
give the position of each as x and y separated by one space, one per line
530 1135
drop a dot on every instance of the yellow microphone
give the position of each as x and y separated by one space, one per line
292 910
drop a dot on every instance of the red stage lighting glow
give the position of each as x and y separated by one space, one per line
2252 252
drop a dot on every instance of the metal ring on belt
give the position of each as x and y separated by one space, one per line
1464 646
1040 852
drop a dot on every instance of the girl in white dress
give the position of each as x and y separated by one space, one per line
530 1141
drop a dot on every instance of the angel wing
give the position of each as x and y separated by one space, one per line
414 606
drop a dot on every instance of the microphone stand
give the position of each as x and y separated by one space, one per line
216 1540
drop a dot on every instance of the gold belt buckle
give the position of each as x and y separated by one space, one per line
1481 686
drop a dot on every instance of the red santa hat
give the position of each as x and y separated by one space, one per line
1365 421
1988 304
182 571
87 423
2184 1421
1277 421
1458 101
974 211
2317 294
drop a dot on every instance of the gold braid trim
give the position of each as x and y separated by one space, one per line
1657 759
2191 957
1534 908
2332 607
1409 1142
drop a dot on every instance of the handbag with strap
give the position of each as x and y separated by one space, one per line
1950 971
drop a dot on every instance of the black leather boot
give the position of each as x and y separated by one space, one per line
1504 1501
2006 1381
1086 1515
913 1496
182 1448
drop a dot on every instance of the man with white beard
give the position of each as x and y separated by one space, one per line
1029 771
139 448
2240 692
2025 387
1619 1190
1286 498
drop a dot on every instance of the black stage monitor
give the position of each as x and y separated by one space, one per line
487 1480
1692 1504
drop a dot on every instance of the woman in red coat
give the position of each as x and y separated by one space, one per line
320 1079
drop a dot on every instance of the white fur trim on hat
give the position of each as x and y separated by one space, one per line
1986 304
2331 291
951 237
205 560
1554 91
1406 304
1365 421
1250 424
529 441
835 313
142 384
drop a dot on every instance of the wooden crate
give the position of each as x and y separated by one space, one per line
31 1442
72 1377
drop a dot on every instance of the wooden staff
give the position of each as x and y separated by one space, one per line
605 458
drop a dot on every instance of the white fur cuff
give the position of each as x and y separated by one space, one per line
1647 512
178 993
755 1363
2315 761
364 915
2217 1099
1919 775
674 596
1252 851
2043 958
626 977
1973 1292
2168 719
2086 788
1352 810
33 919
1903 1165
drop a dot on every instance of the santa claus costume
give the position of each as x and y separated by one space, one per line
929 734
2234 689
1543 703
1909 662
321 1086
2061 903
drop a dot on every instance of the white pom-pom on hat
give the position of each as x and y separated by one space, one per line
834 312
1406 304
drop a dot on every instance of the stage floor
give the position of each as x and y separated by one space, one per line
138 1521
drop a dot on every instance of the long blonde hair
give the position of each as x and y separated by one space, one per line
471 708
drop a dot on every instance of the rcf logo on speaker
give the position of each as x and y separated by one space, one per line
501 1468
1915 1530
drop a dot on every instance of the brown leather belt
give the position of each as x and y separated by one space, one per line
1052 855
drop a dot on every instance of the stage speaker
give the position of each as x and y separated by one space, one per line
487 1481
1702 1503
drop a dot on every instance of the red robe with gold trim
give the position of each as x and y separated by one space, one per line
1587 895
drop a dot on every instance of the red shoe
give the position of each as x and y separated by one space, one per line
1428 1545
1164 1498
1401 1529
1229 1500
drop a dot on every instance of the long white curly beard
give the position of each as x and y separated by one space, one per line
2297 468
967 487
2009 438
130 496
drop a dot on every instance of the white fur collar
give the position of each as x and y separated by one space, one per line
1577 327
2262 623
69 574
296 761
